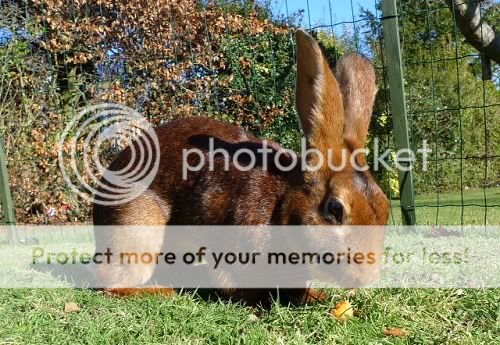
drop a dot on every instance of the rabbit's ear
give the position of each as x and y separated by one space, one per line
356 78
319 101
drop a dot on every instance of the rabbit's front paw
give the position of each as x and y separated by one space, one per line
315 296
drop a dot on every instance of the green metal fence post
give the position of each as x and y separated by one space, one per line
5 198
398 108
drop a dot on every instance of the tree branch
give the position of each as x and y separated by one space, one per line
476 32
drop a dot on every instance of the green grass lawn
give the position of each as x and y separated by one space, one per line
431 316
450 208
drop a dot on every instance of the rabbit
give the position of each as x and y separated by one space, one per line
335 112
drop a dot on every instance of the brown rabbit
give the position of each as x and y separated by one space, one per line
335 113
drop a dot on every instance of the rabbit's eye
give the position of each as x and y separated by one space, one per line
335 211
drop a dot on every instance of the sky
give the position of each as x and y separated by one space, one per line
316 12
319 10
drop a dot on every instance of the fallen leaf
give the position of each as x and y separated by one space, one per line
253 318
342 311
71 307
395 332
351 293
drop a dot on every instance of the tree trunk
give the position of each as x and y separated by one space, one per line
476 32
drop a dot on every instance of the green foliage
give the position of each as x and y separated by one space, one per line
449 106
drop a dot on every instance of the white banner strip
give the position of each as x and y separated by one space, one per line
251 257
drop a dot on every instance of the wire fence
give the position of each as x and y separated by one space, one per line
234 61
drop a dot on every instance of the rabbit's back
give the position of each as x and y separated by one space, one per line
187 192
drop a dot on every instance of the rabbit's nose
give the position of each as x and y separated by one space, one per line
334 212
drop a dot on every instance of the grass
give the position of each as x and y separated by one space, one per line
450 208
431 316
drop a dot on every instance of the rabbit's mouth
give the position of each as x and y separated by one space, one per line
347 278
352 254
348 275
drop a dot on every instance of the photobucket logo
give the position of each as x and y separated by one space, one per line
269 156
101 128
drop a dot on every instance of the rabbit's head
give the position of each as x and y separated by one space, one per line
335 112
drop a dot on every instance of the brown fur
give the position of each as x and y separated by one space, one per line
334 115
125 292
